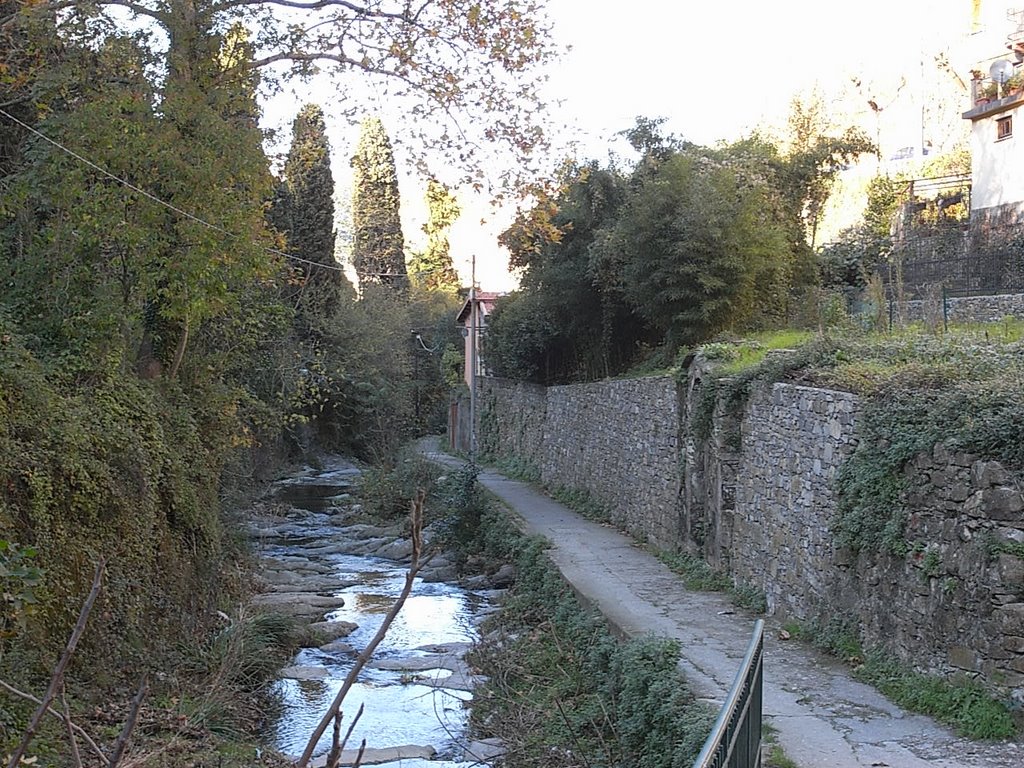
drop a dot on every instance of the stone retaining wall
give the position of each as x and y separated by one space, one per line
966 309
756 497
793 440
511 415
620 441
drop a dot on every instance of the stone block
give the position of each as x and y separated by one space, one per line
985 474
1011 571
1013 643
1003 502
974 506
959 492
1009 618
964 658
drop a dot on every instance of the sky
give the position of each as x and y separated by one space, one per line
714 70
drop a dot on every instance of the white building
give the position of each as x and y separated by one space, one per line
997 128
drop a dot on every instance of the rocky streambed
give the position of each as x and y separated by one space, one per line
341 576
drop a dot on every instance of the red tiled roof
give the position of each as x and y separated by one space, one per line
486 301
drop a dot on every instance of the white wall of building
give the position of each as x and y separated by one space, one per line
997 166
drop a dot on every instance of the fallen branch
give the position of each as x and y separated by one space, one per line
66 718
364 657
129 724
57 678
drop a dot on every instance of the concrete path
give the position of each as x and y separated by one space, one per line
824 718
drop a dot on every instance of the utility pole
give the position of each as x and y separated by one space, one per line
472 359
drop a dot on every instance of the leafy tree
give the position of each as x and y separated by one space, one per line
655 148
304 212
126 271
571 319
524 340
697 240
816 157
24 52
433 268
378 247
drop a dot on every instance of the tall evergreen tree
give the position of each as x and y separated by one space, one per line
378 249
304 212
433 267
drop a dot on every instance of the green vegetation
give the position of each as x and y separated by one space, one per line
19 580
517 468
433 267
742 354
303 211
621 267
580 500
776 757
918 390
699 576
561 691
963 704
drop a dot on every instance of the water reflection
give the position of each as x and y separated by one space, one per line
401 708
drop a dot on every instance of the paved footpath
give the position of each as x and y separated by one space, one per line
824 718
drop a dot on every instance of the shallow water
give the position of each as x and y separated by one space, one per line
400 708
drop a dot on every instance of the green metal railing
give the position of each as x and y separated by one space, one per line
735 740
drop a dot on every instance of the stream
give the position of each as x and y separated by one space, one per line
320 567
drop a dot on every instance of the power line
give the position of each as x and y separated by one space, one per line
186 214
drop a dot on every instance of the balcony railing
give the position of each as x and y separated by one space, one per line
989 96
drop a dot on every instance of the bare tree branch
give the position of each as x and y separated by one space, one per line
76 757
57 678
76 728
352 726
338 745
129 724
61 5
313 5
359 755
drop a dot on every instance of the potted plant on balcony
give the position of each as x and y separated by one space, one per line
1015 84
985 93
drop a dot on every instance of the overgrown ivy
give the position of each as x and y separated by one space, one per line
984 418
917 392
118 468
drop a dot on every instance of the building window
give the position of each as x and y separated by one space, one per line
1004 128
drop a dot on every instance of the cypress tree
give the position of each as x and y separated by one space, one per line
433 268
378 248
305 214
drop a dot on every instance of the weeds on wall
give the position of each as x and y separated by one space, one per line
910 415
701 577
963 390
518 468
963 704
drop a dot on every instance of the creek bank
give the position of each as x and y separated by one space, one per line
324 564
